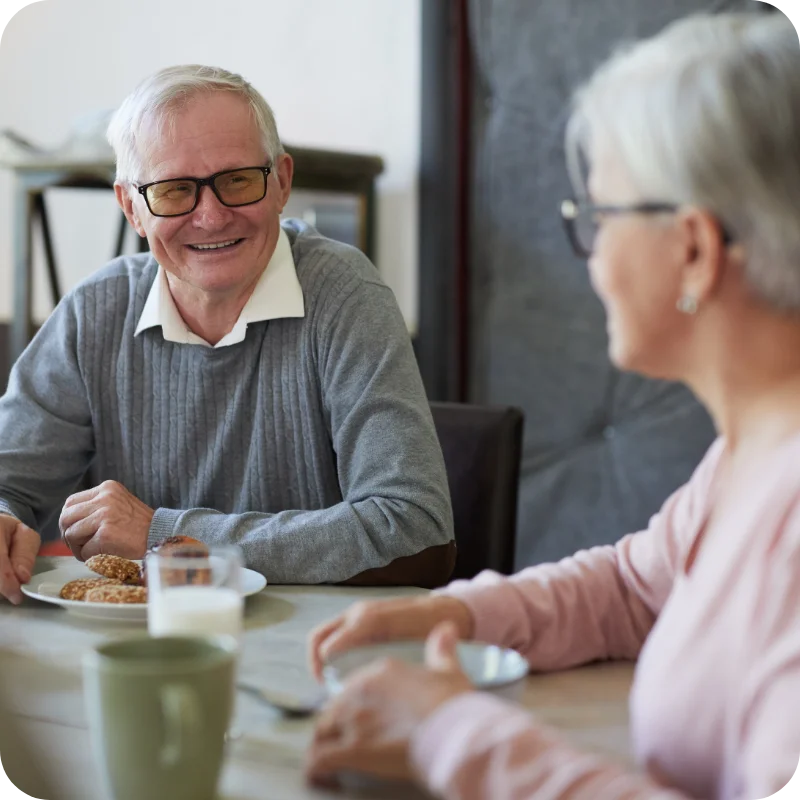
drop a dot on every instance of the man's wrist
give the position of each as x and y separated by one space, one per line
4 515
162 526
7 511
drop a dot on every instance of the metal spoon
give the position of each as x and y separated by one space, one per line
288 704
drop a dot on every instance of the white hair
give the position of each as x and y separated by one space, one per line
157 100
707 114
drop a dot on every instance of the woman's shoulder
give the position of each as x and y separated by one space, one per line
780 480
764 503
701 485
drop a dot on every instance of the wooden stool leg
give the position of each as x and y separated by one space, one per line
123 227
141 244
22 322
49 256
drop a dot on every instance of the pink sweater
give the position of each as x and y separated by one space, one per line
715 705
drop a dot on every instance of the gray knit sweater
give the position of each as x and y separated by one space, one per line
310 443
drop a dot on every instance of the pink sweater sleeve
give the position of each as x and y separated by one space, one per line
476 746
598 604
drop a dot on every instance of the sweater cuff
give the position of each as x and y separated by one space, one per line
162 526
487 602
5 508
445 741
20 513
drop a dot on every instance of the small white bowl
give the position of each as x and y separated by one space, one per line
490 668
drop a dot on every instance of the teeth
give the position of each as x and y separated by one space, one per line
214 246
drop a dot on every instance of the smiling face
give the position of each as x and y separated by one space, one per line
637 271
215 250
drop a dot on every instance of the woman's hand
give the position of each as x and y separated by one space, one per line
368 727
385 621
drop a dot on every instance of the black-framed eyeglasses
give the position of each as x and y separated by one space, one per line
582 220
175 197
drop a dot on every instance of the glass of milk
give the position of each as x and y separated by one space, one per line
195 595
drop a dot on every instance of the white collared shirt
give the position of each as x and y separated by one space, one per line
277 295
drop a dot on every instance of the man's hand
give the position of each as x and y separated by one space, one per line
106 519
385 621
19 545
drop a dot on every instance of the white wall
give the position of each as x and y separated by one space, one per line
339 74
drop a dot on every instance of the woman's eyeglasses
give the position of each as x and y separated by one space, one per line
582 221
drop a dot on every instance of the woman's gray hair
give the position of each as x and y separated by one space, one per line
159 97
707 114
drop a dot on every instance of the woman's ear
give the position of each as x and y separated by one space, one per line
704 253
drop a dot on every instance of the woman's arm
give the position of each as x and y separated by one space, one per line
600 603
477 746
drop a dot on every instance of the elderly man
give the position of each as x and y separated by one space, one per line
247 382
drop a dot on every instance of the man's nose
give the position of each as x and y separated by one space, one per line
209 211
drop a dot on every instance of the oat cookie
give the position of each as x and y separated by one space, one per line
115 567
76 590
116 593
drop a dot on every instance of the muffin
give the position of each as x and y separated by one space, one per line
183 547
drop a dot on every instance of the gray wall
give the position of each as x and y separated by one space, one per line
602 449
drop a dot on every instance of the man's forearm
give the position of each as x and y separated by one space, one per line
332 545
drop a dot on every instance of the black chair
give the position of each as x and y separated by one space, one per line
482 449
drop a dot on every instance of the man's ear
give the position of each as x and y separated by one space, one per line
284 172
125 201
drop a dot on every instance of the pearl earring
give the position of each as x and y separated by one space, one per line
687 304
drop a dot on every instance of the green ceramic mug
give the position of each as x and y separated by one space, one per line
158 711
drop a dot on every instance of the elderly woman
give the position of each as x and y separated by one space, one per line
690 223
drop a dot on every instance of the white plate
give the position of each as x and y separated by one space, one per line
47 586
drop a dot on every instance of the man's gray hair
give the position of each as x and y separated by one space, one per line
707 114
159 97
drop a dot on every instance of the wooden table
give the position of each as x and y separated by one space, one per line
40 660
